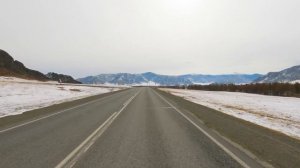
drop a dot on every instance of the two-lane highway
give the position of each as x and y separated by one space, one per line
134 128
46 142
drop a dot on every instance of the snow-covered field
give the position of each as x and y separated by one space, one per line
20 95
295 81
278 113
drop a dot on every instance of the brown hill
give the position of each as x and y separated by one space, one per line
61 78
11 67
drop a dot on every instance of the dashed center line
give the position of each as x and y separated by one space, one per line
74 156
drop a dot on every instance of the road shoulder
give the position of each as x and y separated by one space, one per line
275 148
14 120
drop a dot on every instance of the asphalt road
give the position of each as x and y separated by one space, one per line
138 127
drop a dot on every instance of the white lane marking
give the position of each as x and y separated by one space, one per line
32 121
166 107
241 162
76 150
73 157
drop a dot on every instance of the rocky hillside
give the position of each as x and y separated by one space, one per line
61 78
287 75
150 78
11 67
14 68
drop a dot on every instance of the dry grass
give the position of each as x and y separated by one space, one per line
75 90
61 88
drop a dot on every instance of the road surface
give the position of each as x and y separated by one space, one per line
137 127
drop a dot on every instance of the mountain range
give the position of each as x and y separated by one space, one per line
150 78
11 67
291 75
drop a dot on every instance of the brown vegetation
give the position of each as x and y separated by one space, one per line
75 90
276 89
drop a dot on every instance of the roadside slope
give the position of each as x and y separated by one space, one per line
19 95
13 120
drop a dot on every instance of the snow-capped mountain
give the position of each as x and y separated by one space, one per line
223 79
150 78
287 75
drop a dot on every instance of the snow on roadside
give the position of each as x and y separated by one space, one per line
20 95
20 80
295 81
278 113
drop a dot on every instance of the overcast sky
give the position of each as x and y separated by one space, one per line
89 37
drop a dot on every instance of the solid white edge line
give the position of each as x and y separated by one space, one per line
63 162
85 145
47 116
241 162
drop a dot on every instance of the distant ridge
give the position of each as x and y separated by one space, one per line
291 74
150 78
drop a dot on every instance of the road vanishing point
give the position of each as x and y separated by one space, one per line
137 127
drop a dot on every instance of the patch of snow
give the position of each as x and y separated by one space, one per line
19 80
295 81
20 95
208 83
278 113
150 83
112 85
144 78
